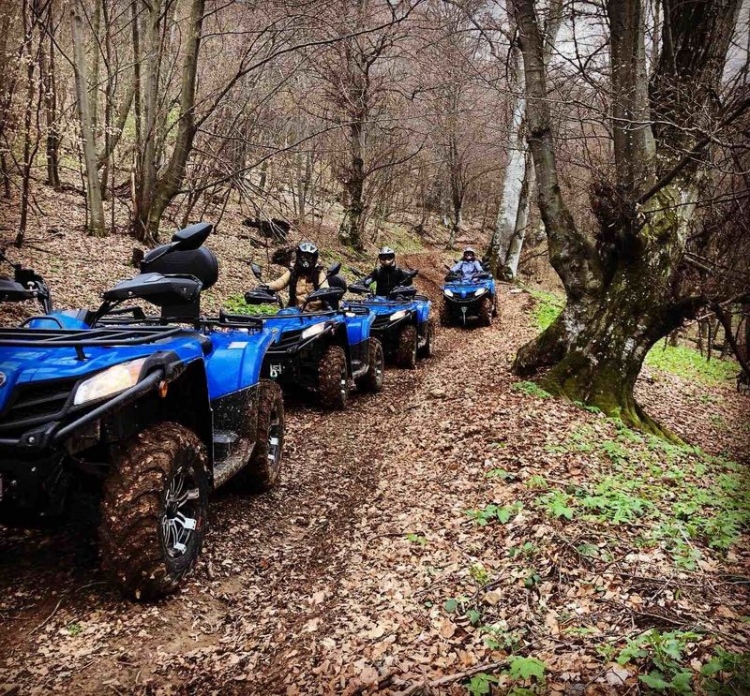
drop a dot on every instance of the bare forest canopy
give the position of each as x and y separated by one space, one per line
616 130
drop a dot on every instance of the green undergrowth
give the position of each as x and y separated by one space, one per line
682 501
235 304
690 364
674 507
548 306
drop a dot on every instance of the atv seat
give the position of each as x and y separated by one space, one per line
200 263
160 290
172 276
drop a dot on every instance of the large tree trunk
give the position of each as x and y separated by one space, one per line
514 177
350 231
620 287
507 239
528 189
93 193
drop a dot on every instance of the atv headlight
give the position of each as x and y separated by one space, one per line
314 330
398 315
112 381
479 292
448 293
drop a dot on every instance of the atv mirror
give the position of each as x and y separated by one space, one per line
330 296
262 296
356 272
256 271
11 291
446 266
412 274
359 288
403 291
333 269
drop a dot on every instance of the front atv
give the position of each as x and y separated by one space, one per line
321 352
464 300
402 322
156 411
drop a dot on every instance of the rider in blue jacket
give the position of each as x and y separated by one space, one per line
468 266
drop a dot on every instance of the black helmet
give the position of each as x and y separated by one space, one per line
387 256
306 257
469 251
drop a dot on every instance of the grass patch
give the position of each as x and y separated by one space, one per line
530 389
548 306
690 364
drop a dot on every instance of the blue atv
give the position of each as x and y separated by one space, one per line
473 298
154 412
321 351
402 322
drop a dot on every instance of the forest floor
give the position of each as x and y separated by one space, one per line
456 533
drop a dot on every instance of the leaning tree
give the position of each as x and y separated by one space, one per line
622 281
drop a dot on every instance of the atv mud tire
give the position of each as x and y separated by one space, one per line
406 348
485 311
333 381
428 349
263 469
155 511
445 315
372 380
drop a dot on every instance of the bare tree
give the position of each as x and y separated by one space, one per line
93 192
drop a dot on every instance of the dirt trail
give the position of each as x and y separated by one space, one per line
271 568
335 582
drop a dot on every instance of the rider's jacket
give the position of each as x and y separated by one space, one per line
300 286
386 278
467 269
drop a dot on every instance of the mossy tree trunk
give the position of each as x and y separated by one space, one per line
622 294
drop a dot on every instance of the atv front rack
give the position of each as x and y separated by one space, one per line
88 338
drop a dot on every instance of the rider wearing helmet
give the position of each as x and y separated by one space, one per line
304 276
468 266
388 275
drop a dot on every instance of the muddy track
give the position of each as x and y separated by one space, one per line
270 569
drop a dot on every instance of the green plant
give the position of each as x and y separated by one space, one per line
499 473
483 516
530 389
479 574
664 652
526 668
726 673
556 504
455 604
235 304
74 629
498 637
536 481
416 539
527 549
481 684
